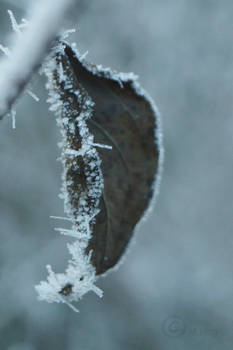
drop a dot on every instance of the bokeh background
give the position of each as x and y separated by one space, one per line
175 288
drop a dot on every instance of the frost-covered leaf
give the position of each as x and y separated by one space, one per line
124 118
111 155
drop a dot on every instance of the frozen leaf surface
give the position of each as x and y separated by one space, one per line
125 118
111 155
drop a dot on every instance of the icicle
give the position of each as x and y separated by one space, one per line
13 115
30 93
60 218
102 146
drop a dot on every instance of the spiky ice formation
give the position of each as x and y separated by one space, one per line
82 180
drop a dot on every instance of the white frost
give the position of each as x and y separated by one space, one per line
80 276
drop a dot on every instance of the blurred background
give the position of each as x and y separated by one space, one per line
175 288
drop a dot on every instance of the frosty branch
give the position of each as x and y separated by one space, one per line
29 49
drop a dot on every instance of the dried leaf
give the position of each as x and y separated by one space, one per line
124 118
111 155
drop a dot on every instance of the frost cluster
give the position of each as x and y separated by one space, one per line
82 181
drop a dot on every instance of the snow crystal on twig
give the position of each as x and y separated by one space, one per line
5 50
14 23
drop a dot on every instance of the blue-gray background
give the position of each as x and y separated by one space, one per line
175 289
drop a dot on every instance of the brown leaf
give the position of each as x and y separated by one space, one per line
124 119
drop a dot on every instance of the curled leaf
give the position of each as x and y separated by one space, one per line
124 118
111 156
